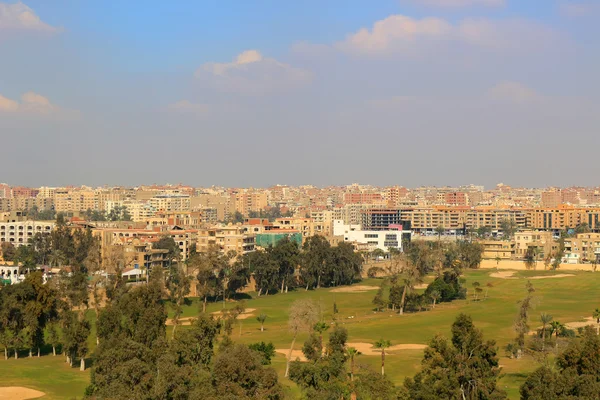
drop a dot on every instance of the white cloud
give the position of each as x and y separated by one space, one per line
31 104
185 106
252 73
460 3
18 16
401 33
514 92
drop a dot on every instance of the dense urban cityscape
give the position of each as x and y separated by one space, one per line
292 200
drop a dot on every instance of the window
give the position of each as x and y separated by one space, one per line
371 235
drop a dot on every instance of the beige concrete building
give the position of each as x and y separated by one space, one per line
226 238
19 232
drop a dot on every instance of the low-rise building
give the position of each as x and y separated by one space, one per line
375 239
19 232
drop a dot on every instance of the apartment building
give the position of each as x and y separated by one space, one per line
584 247
170 202
19 232
25 203
563 217
542 241
250 201
226 238
74 200
305 226
115 236
375 219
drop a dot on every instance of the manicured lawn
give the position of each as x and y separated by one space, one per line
567 299
48 374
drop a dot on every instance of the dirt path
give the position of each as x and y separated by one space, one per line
19 393
354 289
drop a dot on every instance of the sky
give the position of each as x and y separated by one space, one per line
263 92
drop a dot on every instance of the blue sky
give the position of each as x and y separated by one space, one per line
254 93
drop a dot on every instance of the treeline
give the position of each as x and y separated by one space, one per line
135 360
34 315
62 246
408 270
278 268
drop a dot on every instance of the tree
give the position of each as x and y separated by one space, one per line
239 373
303 315
440 230
382 344
464 368
178 287
476 290
508 227
576 376
266 351
8 251
286 254
434 295
596 316
484 231
545 319
412 277
262 318
497 259
522 321
352 353
168 243
320 327
316 261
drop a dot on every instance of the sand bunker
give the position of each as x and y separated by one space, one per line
580 324
19 393
182 321
551 276
369 350
503 275
296 354
422 286
354 289
248 312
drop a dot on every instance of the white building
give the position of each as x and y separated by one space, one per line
19 233
383 240
11 274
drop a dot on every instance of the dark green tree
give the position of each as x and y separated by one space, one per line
466 367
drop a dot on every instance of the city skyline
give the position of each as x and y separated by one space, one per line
423 92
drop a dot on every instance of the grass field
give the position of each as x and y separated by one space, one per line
567 299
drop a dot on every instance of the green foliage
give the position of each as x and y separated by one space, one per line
464 368
8 251
266 351
168 243
577 374
448 286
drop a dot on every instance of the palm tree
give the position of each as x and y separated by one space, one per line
435 295
556 327
412 278
596 315
477 289
382 344
56 258
262 318
320 327
546 319
497 259
351 352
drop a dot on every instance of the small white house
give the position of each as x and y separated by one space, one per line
11 273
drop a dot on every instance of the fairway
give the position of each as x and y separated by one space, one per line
567 299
